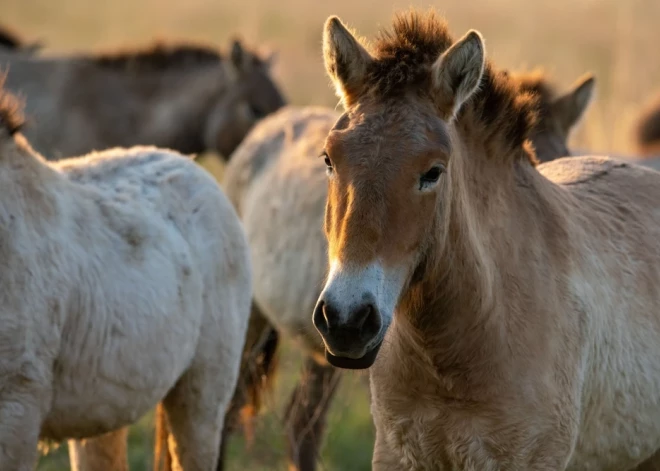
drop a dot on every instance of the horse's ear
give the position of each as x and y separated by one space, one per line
346 60
271 58
237 53
570 107
457 72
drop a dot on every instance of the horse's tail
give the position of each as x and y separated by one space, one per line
257 372
647 130
162 457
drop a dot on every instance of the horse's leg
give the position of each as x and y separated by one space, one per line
258 367
195 410
21 413
104 452
306 413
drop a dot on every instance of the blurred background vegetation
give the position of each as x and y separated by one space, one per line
616 40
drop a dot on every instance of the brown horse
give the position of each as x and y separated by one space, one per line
508 313
283 219
184 97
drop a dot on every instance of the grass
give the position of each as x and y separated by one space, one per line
613 39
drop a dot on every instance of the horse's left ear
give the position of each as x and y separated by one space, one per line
457 72
570 107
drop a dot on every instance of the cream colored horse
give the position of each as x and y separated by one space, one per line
277 184
509 315
126 281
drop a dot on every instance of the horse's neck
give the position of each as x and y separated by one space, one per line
454 318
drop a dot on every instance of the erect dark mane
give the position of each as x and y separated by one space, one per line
10 39
11 110
158 57
404 56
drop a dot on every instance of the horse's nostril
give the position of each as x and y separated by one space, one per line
371 323
326 317
363 314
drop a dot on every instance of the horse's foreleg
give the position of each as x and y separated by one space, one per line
306 413
195 410
105 452
20 423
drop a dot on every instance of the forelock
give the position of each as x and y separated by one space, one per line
403 55
502 107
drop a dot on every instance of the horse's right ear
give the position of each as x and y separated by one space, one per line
346 60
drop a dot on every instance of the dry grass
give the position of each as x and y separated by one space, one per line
616 40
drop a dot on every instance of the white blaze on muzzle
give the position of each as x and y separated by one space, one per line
356 307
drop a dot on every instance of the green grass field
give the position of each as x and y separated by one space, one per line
616 40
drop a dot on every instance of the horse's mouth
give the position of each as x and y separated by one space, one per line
361 363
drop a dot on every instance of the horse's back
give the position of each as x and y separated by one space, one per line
602 184
275 141
278 183
612 207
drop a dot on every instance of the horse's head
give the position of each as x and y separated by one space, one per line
430 127
558 113
250 96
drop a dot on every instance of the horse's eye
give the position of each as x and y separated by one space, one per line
326 159
431 176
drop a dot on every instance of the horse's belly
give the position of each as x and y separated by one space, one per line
109 375
103 407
